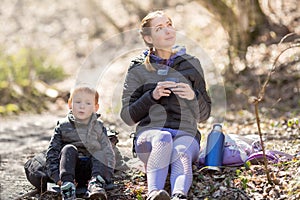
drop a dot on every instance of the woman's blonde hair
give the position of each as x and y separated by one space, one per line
146 30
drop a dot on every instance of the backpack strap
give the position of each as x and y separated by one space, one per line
271 155
132 135
282 156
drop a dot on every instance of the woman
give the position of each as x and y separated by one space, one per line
165 93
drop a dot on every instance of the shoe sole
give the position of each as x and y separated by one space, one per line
162 195
98 196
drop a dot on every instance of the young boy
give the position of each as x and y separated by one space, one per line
80 151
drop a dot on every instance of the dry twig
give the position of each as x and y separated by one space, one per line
259 98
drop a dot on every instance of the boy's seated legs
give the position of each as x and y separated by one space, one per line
83 171
68 159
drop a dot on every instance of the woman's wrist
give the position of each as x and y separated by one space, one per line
153 96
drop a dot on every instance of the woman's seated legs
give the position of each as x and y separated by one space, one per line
154 148
185 151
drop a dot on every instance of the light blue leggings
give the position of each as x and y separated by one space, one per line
159 149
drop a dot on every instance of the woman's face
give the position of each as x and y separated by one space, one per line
163 34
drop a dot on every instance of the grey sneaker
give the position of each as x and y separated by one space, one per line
96 188
159 195
68 191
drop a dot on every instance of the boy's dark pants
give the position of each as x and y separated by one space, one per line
72 167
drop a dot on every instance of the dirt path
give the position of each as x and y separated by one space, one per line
20 138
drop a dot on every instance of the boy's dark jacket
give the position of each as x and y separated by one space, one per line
91 141
171 112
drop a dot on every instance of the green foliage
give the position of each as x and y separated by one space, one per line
292 122
243 176
244 181
28 65
139 196
19 73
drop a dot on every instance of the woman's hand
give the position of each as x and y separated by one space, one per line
163 89
184 90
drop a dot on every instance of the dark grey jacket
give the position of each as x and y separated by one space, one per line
138 105
91 141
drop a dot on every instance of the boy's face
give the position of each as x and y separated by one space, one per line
83 105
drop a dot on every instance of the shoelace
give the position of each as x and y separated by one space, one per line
97 183
68 192
179 195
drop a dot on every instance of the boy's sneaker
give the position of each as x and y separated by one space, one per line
178 196
96 188
68 191
158 195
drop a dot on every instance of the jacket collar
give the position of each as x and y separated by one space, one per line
72 119
177 52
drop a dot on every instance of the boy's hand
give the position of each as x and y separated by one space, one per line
59 183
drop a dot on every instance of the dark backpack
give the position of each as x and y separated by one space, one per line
35 170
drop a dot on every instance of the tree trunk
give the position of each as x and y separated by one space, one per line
242 20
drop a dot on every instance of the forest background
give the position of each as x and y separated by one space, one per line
49 46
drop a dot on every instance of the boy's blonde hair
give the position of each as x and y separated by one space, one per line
84 88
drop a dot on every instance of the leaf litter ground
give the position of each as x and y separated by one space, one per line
23 140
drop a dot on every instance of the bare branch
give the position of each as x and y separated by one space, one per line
259 98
